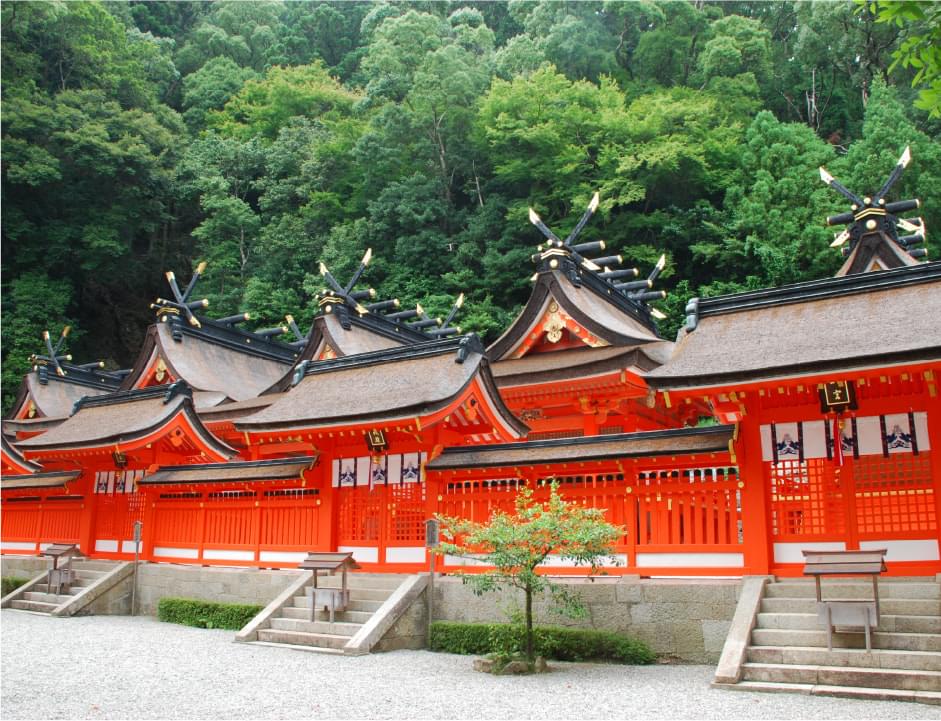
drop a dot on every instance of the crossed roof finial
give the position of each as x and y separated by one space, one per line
345 296
181 303
872 214
53 356
555 249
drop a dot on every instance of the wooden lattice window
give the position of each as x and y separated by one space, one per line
894 494
407 513
359 515
806 498
685 507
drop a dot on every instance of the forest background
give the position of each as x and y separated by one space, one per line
263 137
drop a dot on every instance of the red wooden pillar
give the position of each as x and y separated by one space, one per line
256 524
630 515
148 530
327 511
934 437
756 522
86 530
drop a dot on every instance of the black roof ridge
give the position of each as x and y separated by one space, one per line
40 475
381 325
820 289
238 464
391 355
170 390
269 348
81 376
606 290
591 440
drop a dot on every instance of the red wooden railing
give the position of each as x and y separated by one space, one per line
235 526
32 521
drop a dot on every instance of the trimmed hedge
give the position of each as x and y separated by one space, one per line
560 644
206 614
11 583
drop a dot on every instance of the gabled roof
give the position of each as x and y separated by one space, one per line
341 332
123 418
56 479
54 395
19 427
875 251
864 320
398 383
274 470
217 361
595 305
13 461
592 448
579 363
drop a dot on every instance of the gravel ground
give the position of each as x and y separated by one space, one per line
101 667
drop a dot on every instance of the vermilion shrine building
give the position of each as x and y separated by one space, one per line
233 447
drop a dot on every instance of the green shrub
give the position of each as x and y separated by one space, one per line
206 614
561 644
11 583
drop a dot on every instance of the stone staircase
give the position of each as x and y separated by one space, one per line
291 624
787 650
37 596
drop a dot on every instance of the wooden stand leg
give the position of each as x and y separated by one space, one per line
829 630
868 638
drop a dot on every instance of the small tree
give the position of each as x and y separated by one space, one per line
516 544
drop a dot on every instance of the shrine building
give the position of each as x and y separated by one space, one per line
781 420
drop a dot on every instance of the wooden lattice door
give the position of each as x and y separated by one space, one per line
384 524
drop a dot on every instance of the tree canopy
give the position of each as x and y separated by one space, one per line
264 136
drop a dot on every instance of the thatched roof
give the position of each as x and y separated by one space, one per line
123 417
398 383
56 479
593 448
273 470
592 303
871 319
217 362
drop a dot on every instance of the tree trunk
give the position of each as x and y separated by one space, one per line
530 656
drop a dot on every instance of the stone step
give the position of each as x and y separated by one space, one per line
95 566
51 598
357 602
303 614
37 606
90 575
78 583
370 607
838 590
809 619
889 622
869 694
70 590
896 606
848 639
300 638
296 647
337 628
877 658
882 678
390 581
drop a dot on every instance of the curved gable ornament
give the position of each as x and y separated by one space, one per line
551 327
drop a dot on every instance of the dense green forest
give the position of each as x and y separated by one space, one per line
263 137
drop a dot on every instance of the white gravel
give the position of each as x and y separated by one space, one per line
102 667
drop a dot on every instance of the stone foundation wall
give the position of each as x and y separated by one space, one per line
410 630
23 566
116 601
684 619
208 583
687 620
